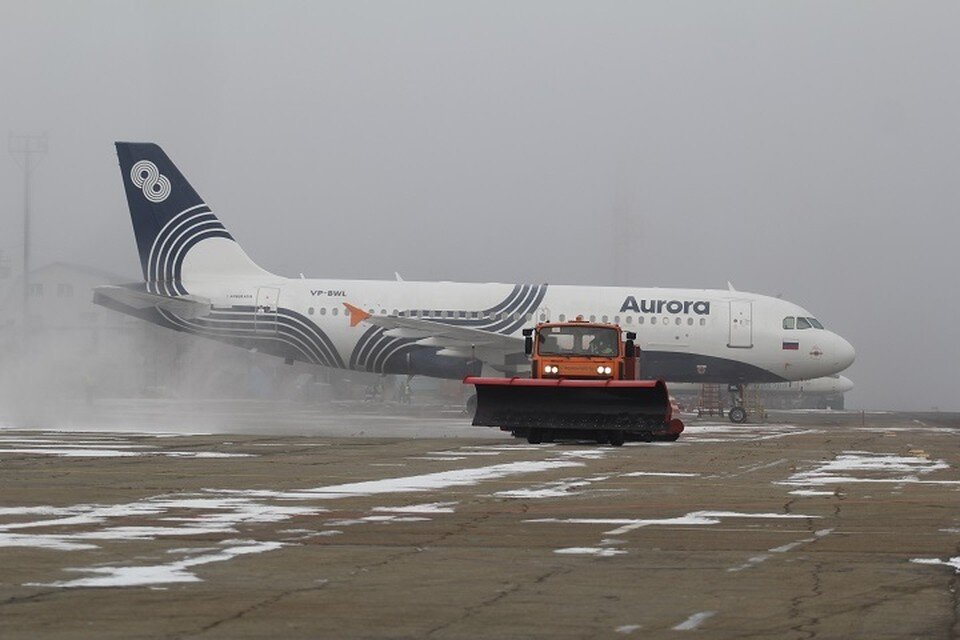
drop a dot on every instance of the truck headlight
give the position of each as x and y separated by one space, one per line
600 369
607 370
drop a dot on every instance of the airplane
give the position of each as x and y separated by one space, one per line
197 279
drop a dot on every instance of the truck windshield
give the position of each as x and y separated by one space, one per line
571 340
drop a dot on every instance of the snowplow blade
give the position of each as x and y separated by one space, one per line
518 404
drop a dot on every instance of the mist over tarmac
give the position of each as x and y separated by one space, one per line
803 149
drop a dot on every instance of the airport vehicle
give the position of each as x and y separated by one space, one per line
197 279
583 385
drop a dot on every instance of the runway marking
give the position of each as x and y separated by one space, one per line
628 628
694 518
750 469
636 474
694 621
755 560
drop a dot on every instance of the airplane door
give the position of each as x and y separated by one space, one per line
265 317
741 324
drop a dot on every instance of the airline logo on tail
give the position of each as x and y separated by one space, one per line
154 185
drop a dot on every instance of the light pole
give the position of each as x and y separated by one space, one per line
26 150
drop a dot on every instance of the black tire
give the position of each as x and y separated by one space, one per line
534 436
738 415
616 438
470 407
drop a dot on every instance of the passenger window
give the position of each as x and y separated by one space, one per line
310 310
653 320
605 318
690 322
678 321
593 318
563 317
629 319
395 312
788 323
323 311
640 320
335 311
802 323
703 322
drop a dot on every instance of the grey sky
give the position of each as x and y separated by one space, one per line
809 149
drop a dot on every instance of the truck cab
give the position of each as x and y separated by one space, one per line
580 350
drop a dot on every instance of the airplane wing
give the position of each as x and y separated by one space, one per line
453 340
188 306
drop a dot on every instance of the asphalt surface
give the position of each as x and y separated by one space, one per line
815 525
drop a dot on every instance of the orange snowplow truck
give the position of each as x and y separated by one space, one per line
583 385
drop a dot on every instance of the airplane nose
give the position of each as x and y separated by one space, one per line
843 352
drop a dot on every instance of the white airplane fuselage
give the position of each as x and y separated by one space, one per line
686 335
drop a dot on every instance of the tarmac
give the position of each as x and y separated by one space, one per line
322 523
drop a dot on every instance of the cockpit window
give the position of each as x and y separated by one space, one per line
803 323
789 322
815 323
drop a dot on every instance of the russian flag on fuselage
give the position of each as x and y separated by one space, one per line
791 346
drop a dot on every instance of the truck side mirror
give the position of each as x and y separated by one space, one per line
528 345
527 333
631 335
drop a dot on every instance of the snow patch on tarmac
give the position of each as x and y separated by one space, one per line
86 445
419 483
159 573
869 467
952 562
599 552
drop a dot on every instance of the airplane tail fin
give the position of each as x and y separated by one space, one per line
178 236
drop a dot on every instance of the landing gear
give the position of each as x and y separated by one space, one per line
616 438
738 415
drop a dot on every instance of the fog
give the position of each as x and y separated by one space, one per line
803 149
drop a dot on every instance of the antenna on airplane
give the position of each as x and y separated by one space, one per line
730 286
398 276
301 276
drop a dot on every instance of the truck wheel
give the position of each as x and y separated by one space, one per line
470 407
616 438
738 415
